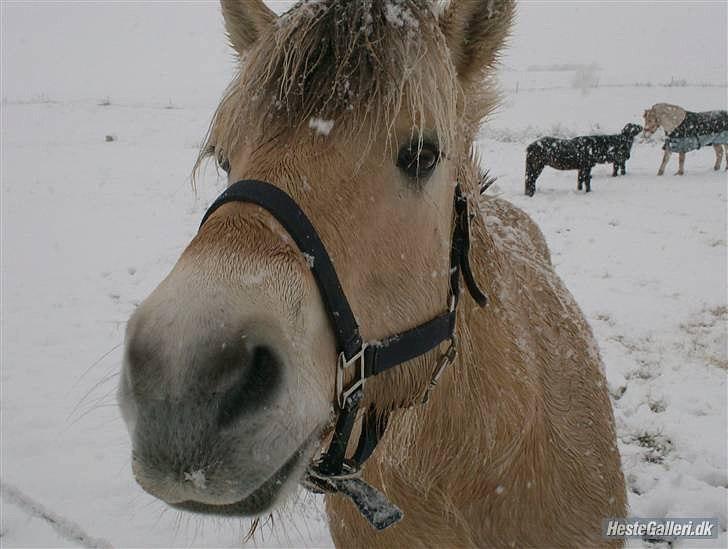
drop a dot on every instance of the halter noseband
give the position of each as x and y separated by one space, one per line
334 472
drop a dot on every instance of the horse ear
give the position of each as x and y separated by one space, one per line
245 22
475 31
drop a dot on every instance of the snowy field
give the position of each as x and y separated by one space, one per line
90 225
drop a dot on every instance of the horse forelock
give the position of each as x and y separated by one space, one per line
357 64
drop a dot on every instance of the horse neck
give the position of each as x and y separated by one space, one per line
669 116
490 362
488 395
483 405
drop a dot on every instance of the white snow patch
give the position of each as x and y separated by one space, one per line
197 478
491 9
400 16
321 126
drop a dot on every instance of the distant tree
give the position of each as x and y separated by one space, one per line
585 78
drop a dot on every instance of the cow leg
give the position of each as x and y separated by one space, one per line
725 147
615 169
718 156
665 160
681 164
624 167
587 179
534 167
580 180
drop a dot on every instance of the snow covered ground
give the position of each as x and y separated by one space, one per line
90 224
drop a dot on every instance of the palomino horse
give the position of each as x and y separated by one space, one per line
688 131
351 123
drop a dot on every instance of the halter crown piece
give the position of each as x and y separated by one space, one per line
334 472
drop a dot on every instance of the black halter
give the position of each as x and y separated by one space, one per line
334 472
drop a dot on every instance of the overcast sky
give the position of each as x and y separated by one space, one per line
55 49
657 39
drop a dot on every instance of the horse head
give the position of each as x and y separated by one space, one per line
363 113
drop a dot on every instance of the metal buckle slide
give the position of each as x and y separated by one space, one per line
341 366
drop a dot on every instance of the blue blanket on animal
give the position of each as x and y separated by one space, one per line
698 130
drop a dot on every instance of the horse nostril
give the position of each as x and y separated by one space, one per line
259 378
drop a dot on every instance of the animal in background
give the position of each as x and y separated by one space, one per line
580 153
687 131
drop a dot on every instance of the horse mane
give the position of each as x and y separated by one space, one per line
357 64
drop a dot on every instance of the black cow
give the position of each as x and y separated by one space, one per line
580 153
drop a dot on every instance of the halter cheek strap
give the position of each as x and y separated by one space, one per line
334 472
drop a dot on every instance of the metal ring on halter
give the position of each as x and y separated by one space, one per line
447 358
321 483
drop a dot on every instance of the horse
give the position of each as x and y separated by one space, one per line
314 331
580 153
688 131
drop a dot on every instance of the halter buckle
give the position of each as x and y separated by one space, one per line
370 502
447 358
341 366
315 480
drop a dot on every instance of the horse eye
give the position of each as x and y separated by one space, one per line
418 161
224 164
